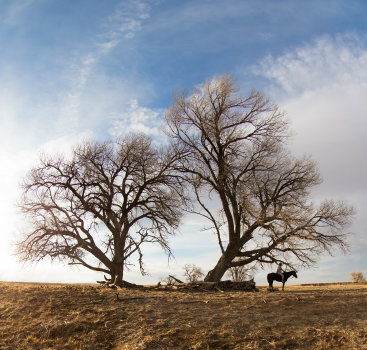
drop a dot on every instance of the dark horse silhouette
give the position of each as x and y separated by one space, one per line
276 277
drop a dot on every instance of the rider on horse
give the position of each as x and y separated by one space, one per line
280 272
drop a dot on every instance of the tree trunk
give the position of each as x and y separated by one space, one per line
117 274
223 264
219 270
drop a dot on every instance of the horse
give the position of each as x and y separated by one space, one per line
276 277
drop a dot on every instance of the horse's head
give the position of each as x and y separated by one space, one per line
294 274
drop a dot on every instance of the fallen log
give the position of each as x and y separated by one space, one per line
220 286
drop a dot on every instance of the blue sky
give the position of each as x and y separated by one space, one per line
76 69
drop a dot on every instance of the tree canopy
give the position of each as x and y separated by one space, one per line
100 206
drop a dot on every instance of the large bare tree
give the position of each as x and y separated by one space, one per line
98 207
236 157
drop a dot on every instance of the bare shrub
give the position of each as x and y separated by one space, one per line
240 273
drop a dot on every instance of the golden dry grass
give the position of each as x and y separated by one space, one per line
45 316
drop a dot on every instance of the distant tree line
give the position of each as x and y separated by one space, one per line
226 161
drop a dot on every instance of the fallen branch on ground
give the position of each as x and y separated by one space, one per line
210 286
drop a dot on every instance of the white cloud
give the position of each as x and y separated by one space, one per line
330 124
136 119
323 89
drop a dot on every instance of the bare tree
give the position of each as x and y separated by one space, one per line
236 157
193 273
357 276
98 208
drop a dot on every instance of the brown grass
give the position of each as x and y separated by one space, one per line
45 316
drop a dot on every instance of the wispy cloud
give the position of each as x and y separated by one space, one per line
126 21
326 62
121 25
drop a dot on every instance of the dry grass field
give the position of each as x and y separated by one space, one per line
46 316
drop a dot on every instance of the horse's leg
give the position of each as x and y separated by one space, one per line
283 287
